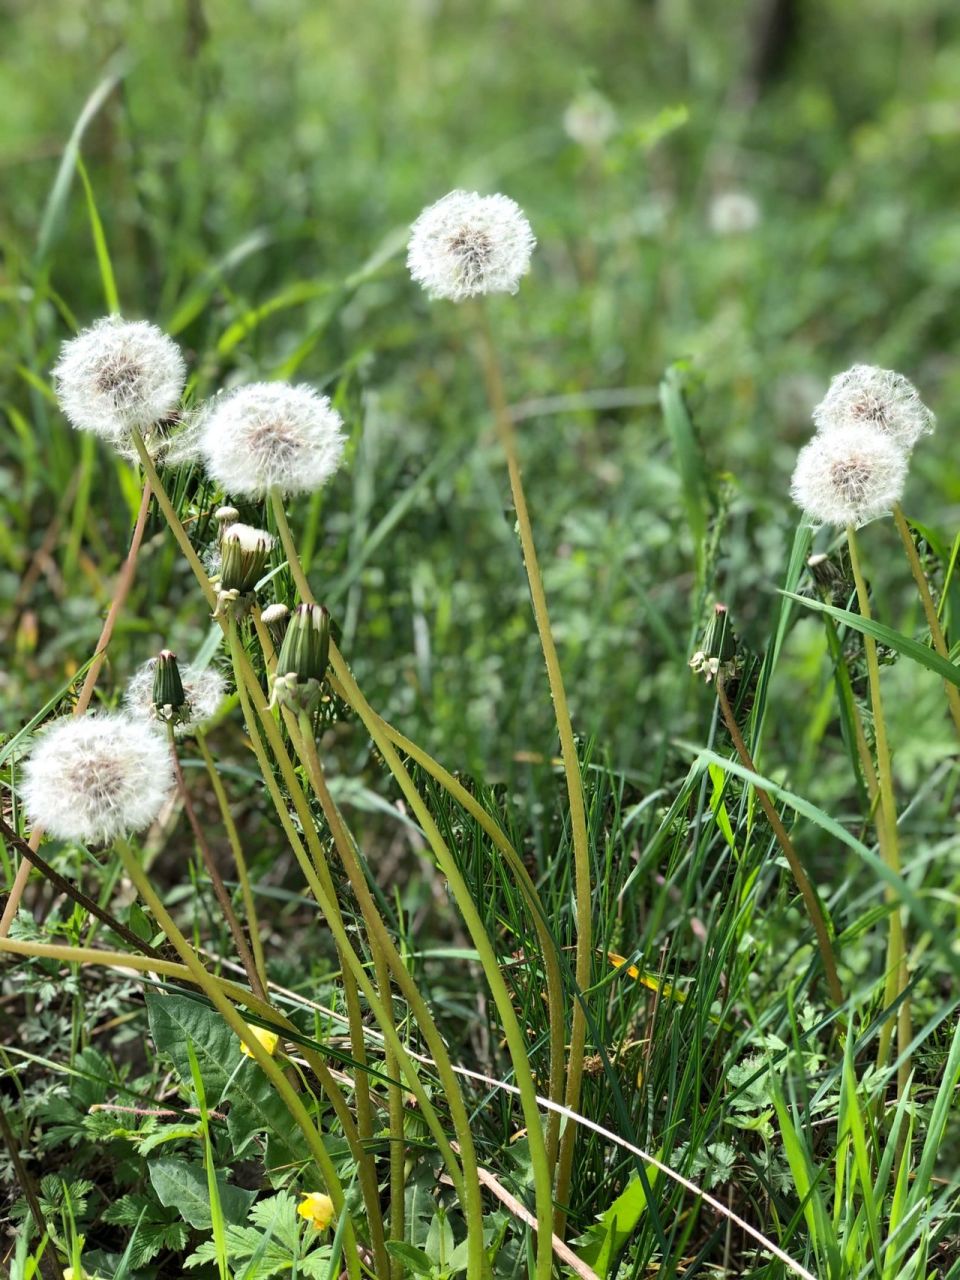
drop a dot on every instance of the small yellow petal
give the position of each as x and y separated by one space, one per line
317 1209
268 1039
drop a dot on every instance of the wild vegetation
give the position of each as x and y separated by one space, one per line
479 712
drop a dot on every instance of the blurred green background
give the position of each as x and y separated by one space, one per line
256 165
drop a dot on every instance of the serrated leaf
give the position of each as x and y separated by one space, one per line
182 1185
175 1020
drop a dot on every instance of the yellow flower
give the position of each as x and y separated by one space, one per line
268 1039
317 1209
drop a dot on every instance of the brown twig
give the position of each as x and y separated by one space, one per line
807 892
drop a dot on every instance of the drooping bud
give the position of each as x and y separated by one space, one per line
243 557
719 651
226 516
302 663
275 617
169 699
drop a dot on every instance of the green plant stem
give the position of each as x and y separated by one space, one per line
213 871
481 941
568 752
264 1060
334 920
239 858
548 946
929 608
801 879
896 980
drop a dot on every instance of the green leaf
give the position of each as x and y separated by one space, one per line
600 1245
182 1185
689 457
415 1259
175 1020
905 645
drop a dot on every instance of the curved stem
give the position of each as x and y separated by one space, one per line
239 859
264 1060
481 941
929 608
801 879
568 751
219 888
896 980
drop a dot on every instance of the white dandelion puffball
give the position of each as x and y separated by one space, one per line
733 213
117 376
849 476
467 244
92 778
590 120
879 398
203 688
271 434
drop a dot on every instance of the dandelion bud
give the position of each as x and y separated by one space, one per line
849 476
271 434
226 516
718 655
119 376
92 778
276 617
302 663
159 690
243 557
467 244
828 575
317 1209
882 399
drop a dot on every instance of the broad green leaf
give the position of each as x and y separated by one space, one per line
415 1259
182 1185
600 1246
175 1020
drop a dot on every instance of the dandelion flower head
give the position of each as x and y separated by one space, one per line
118 376
271 434
204 690
849 476
268 1039
467 244
92 778
879 398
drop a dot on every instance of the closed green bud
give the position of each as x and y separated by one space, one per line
169 699
243 557
719 651
302 663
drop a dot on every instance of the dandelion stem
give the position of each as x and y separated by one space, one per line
239 859
263 1059
929 608
461 892
120 592
568 752
219 888
896 979
801 879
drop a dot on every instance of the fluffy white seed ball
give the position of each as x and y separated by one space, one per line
204 690
92 778
467 244
879 398
271 433
119 375
733 213
590 120
849 476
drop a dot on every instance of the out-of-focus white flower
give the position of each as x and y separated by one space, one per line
733 213
117 376
467 244
271 433
203 691
590 120
879 398
849 476
92 778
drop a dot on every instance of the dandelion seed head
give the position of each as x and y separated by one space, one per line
850 475
92 778
590 120
878 398
203 688
733 213
467 244
271 433
117 376
248 538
